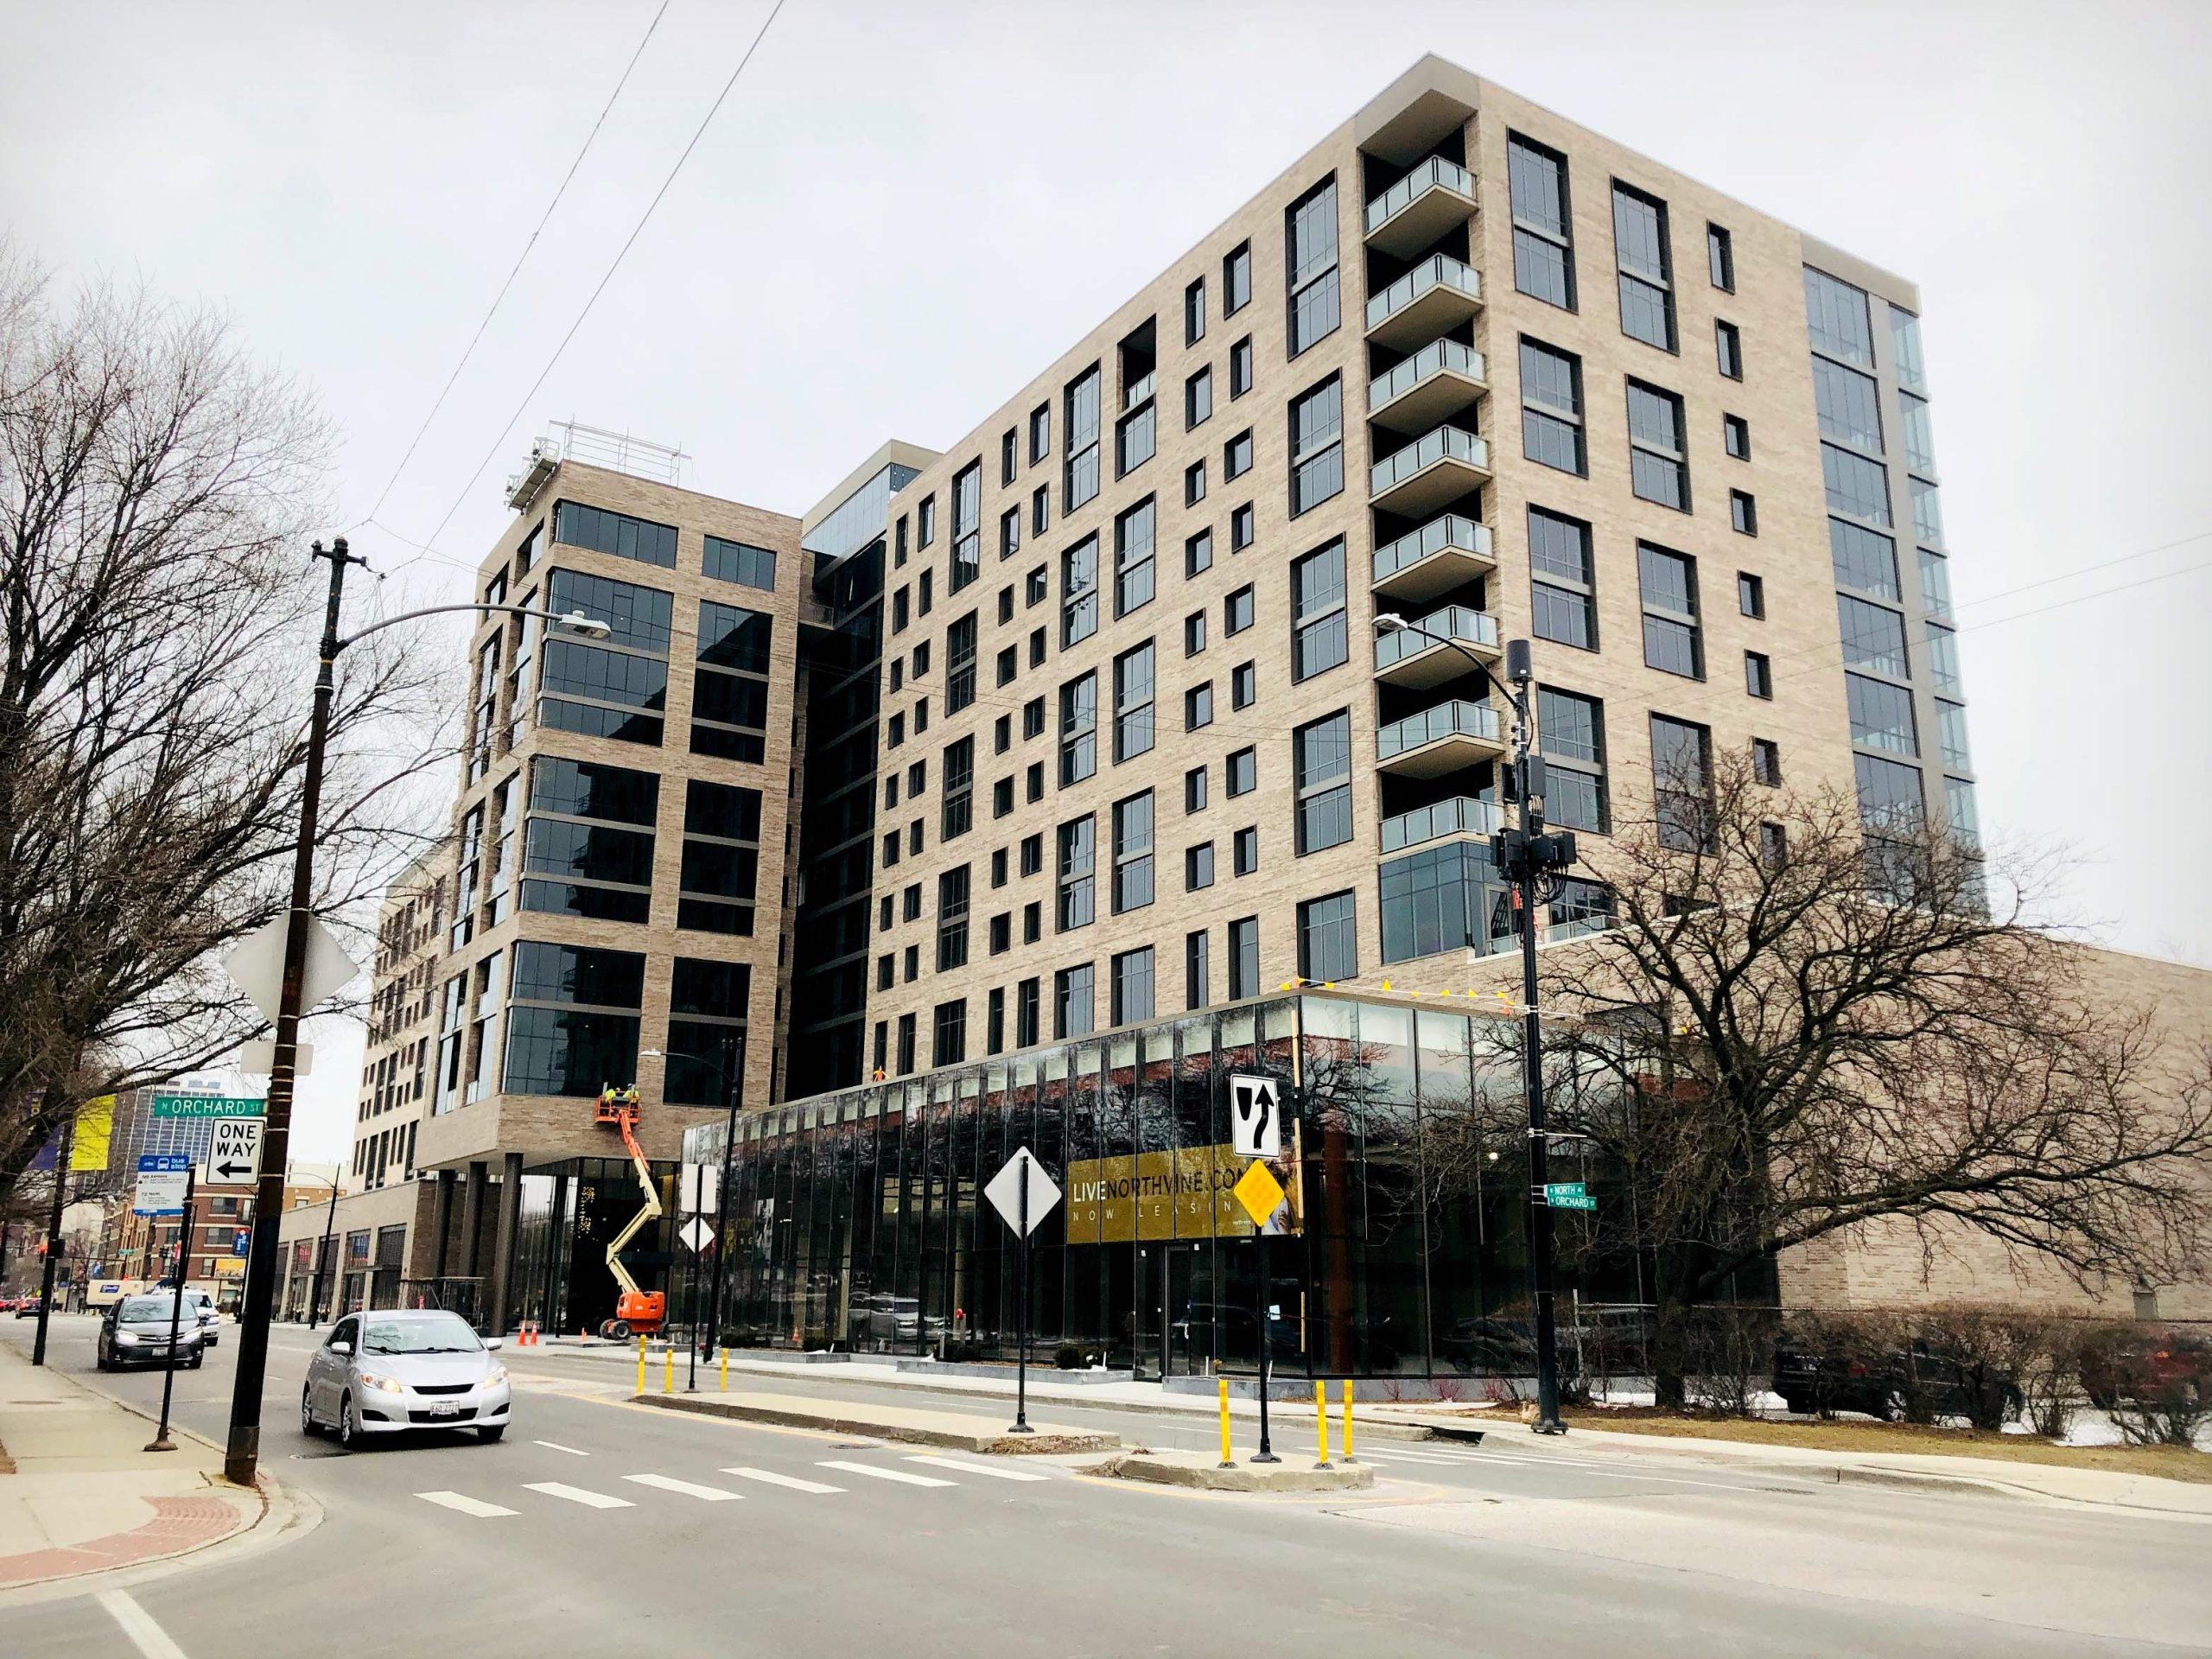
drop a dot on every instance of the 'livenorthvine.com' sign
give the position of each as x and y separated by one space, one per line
1156 1195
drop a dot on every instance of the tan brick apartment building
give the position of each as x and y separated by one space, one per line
1083 722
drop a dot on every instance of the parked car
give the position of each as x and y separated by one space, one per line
1881 1384
27 1308
2150 1365
136 1331
210 1316
387 1371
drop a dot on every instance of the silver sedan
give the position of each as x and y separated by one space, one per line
388 1371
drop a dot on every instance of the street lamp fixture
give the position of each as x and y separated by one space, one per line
1532 860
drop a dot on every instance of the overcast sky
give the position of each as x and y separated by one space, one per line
903 210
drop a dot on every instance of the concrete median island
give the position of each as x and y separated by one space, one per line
953 1431
1201 1471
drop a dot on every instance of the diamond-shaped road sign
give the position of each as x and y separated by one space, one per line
256 966
1260 1193
697 1234
1005 1190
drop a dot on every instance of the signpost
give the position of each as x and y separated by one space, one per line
234 1151
697 1236
1261 1195
161 1441
1567 1195
1024 1195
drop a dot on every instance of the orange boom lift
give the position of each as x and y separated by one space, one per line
637 1313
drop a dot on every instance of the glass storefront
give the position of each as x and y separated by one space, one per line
857 1219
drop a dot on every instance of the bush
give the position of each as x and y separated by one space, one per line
1071 1357
2159 1382
1730 1354
959 1350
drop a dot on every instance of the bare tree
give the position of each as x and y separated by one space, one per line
1799 1025
157 616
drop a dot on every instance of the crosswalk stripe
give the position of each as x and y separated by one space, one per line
770 1478
458 1501
995 1473
899 1475
556 1446
578 1495
667 1484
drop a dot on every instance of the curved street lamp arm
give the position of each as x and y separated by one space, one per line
573 619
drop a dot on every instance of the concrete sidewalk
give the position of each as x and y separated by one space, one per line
85 1496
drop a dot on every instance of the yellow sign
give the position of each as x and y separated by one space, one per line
88 1145
1153 1196
230 1266
1260 1193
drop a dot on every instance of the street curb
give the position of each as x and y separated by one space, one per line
1200 1476
1046 1442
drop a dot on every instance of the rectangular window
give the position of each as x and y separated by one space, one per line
1551 407
1009 532
1847 405
967 525
1681 773
1543 250
960 665
1243 685
1136 437
1237 610
1073 1013
1032 719
1951 728
1243 773
1244 851
1561 597
1033 853
1240 368
1197 867
1075 899
1766 762
1026 999
1080 479
1835 319
1237 280
1133 558
1040 433
1132 987
1720 259
1194 633
1736 436
1318 634
1873 636
1009 455
1241 529
952 920
948 1033
1904 349
1328 939
1574 732
1751 595
1198 554
1316 446
1673 640
957 811
1079 592
1009 665
1194 789
1927 513
616 533
1243 958
905 1043
1198 399
1133 701
1891 797
1919 436
1643 249
1197 707
1078 729
729 692
1744 512
1658 470
1310 237
1194 483
995 1022
1943 656
1040 509
739 563
1728 349
1133 853
1321 767
1758 675
1194 312
1198 969
1237 456
1864 559
1881 714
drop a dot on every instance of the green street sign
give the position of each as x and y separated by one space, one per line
1564 1191
1582 1202
207 1106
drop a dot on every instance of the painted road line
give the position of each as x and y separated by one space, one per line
898 1475
150 1638
578 1495
770 1478
462 1502
556 1446
978 1468
669 1484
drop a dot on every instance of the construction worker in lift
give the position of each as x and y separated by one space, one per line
637 1313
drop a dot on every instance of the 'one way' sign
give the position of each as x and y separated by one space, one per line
234 1153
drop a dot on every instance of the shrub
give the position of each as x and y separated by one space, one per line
959 1350
2161 1384
1070 1356
1730 1355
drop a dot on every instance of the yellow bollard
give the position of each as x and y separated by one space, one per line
667 1366
1321 1420
1348 1456
641 1362
1228 1458
725 1371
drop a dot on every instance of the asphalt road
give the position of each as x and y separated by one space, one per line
604 1528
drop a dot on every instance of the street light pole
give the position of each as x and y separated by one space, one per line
322 1259
721 1194
1526 856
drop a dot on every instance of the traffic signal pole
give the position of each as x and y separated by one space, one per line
64 1148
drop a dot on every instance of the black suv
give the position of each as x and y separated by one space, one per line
1885 1385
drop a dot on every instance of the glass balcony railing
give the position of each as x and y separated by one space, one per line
1445 442
1438 270
1432 174
1438 357
1474 628
1452 530
1463 814
1139 391
1458 718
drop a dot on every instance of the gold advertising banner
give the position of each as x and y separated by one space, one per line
1156 1195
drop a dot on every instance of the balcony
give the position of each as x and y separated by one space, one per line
1138 391
1436 558
1434 383
1435 296
1462 814
1444 739
1421 477
1419 207
1405 657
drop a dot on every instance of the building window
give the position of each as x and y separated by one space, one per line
1328 939
739 563
1025 1013
1657 468
618 689
1673 641
1080 476
1574 731
1237 610
1237 456
1131 996
1197 867
1198 554
1009 665
1927 514
588 842
1198 399
1194 312
1033 853
1551 407
1243 958
1079 592
1943 656
1863 559
1194 789
1682 774
1881 714
1744 512
1316 446
1774 845
1075 899
1040 509
1543 249
1243 685
1904 349
995 1022
1244 851
967 525
1136 435
1958 808
1032 719
1078 729
1758 675
925 521
1728 349
1318 636
1847 405
1133 561
572 1019
952 920
1241 530
1133 853
998 867
1040 433
1561 597
1751 595
1736 436
1197 707
1310 236
615 533
1766 762
1641 248
1321 766
1194 483
957 810
960 665
1873 636
1237 280
1240 368
1835 319
1919 435
1194 633
1132 686
905 1043
1951 729
1009 455
1243 773
1198 969
1720 259
1890 798
1073 1014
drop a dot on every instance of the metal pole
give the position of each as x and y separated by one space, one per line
242 1451
329 1229
722 1196
63 1149
1532 1068
691 1298
161 1442
1267 1451
1021 1366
